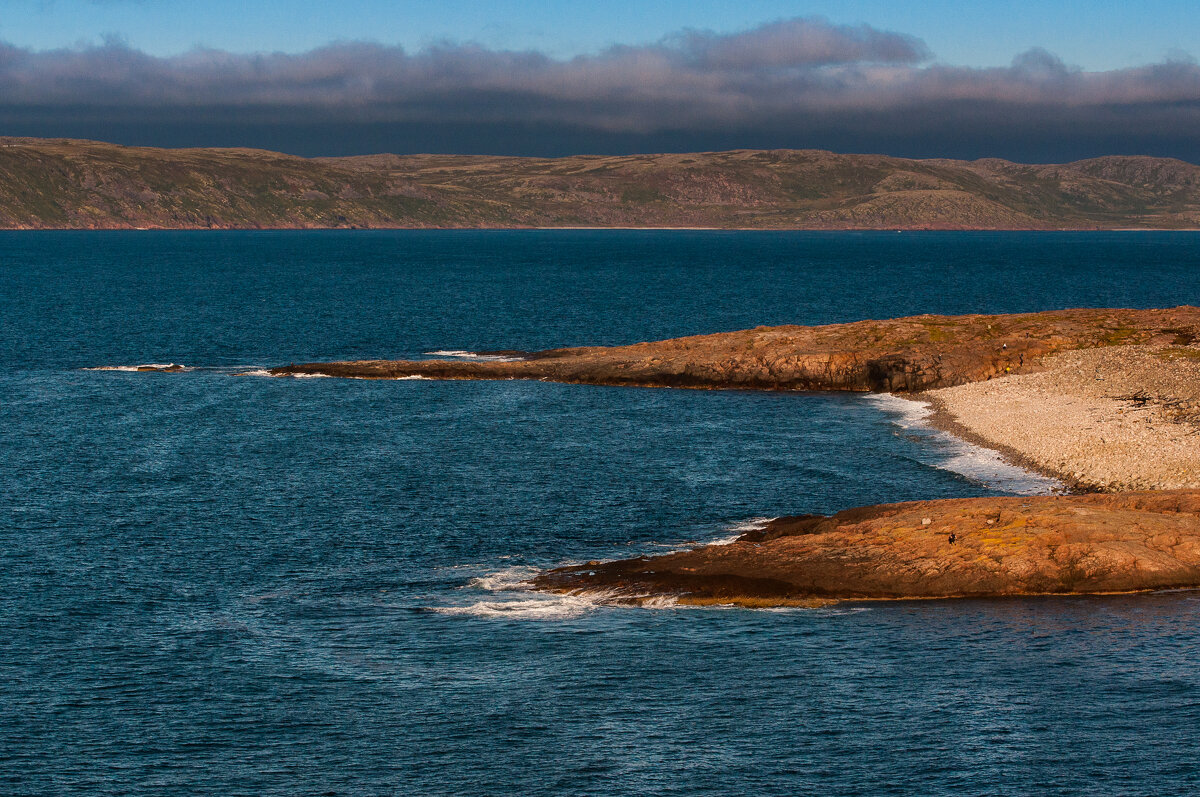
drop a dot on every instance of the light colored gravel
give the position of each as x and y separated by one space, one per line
1118 418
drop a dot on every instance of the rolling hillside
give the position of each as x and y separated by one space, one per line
56 183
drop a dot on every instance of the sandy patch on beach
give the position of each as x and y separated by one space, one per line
1115 418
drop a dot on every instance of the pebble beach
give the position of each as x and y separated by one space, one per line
1107 419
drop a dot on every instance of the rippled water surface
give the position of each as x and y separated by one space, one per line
227 584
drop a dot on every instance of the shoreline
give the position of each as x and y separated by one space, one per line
943 420
1105 401
597 229
1100 420
1009 546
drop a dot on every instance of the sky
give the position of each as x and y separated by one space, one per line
1036 81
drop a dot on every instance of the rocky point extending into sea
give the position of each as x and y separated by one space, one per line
1108 400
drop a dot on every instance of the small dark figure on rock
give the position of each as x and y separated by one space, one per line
953 538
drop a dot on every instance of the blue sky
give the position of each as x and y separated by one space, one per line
1096 34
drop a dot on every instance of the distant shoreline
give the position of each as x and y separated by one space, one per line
602 229
61 184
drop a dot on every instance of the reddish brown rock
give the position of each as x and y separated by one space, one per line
902 355
1002 547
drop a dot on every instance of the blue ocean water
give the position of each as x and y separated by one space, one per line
227 584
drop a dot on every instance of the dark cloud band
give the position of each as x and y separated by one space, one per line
794 83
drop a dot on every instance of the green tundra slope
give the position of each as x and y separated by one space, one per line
56 183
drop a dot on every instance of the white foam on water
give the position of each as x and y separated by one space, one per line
906 413
742 527
265 372
135 368
549 607
514 599
506 580
661 602
979 464
471 355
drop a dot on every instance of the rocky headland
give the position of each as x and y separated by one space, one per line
898 355
1107 400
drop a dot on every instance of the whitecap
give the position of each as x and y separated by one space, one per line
471 355
506 580
548 607
947 452
265 372
740 528
515 600
134 368
512 597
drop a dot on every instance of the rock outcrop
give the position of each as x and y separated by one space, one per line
980 547
972 547
898 355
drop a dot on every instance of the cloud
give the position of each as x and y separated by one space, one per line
793 83
799 43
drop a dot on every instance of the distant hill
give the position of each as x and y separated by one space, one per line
56 183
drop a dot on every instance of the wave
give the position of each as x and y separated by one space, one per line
176 367
549 607
506 580
265 372
740 528
514 599
471 355
947 452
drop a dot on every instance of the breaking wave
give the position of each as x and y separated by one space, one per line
947 452
740 528
146 367
514 599
471 355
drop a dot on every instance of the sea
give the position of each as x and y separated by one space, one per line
219 582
